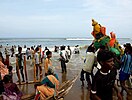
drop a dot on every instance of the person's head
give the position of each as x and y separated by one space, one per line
49 54
91 49
19 49
32 48
62 47
50 71
127 47
37 49
68 47
7 79
105 59
46 48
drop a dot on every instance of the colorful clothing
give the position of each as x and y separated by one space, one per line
126 66
12 92
49 87
47 64
3 70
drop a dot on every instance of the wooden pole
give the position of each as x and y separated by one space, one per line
25 69
34 70
17 70
40 63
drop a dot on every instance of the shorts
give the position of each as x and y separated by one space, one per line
123 76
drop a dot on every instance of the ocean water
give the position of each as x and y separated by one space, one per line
51 42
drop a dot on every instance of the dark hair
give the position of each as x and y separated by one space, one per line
10 68
6 78
19 48
37 49
48 52
62 47
91 49
32 48
127 45
104 55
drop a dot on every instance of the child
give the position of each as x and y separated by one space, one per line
20 62
90 61
104 79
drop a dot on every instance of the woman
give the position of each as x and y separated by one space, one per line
47 62
3 70
48 86
11 90
2 58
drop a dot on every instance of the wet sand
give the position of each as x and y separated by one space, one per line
73 68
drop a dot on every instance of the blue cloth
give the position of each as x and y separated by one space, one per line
123 76
47 82
126 65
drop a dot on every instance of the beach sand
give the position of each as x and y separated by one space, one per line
73 68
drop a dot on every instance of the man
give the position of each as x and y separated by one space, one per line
37 62
63 59
104 79
126 68
89 63
20 62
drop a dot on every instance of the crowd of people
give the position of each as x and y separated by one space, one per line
102 80
37 57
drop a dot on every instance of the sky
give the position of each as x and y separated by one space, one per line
63 18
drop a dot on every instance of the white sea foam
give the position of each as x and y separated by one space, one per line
79 39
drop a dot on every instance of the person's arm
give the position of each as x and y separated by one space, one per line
118 92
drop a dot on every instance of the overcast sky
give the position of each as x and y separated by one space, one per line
64 18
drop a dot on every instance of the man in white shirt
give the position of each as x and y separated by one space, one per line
89 63
63 59
37 62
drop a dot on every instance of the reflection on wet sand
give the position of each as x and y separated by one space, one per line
63 79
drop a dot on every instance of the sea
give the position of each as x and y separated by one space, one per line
51 42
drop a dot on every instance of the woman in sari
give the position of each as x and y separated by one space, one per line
3 70
11 91
48 87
